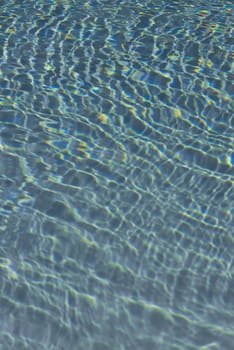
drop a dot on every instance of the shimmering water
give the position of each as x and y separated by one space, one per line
116 175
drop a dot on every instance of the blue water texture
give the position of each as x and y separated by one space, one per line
116 175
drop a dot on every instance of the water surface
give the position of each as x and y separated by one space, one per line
116 175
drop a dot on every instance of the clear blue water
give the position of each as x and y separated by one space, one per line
116 175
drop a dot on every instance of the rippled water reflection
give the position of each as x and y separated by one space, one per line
116 175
